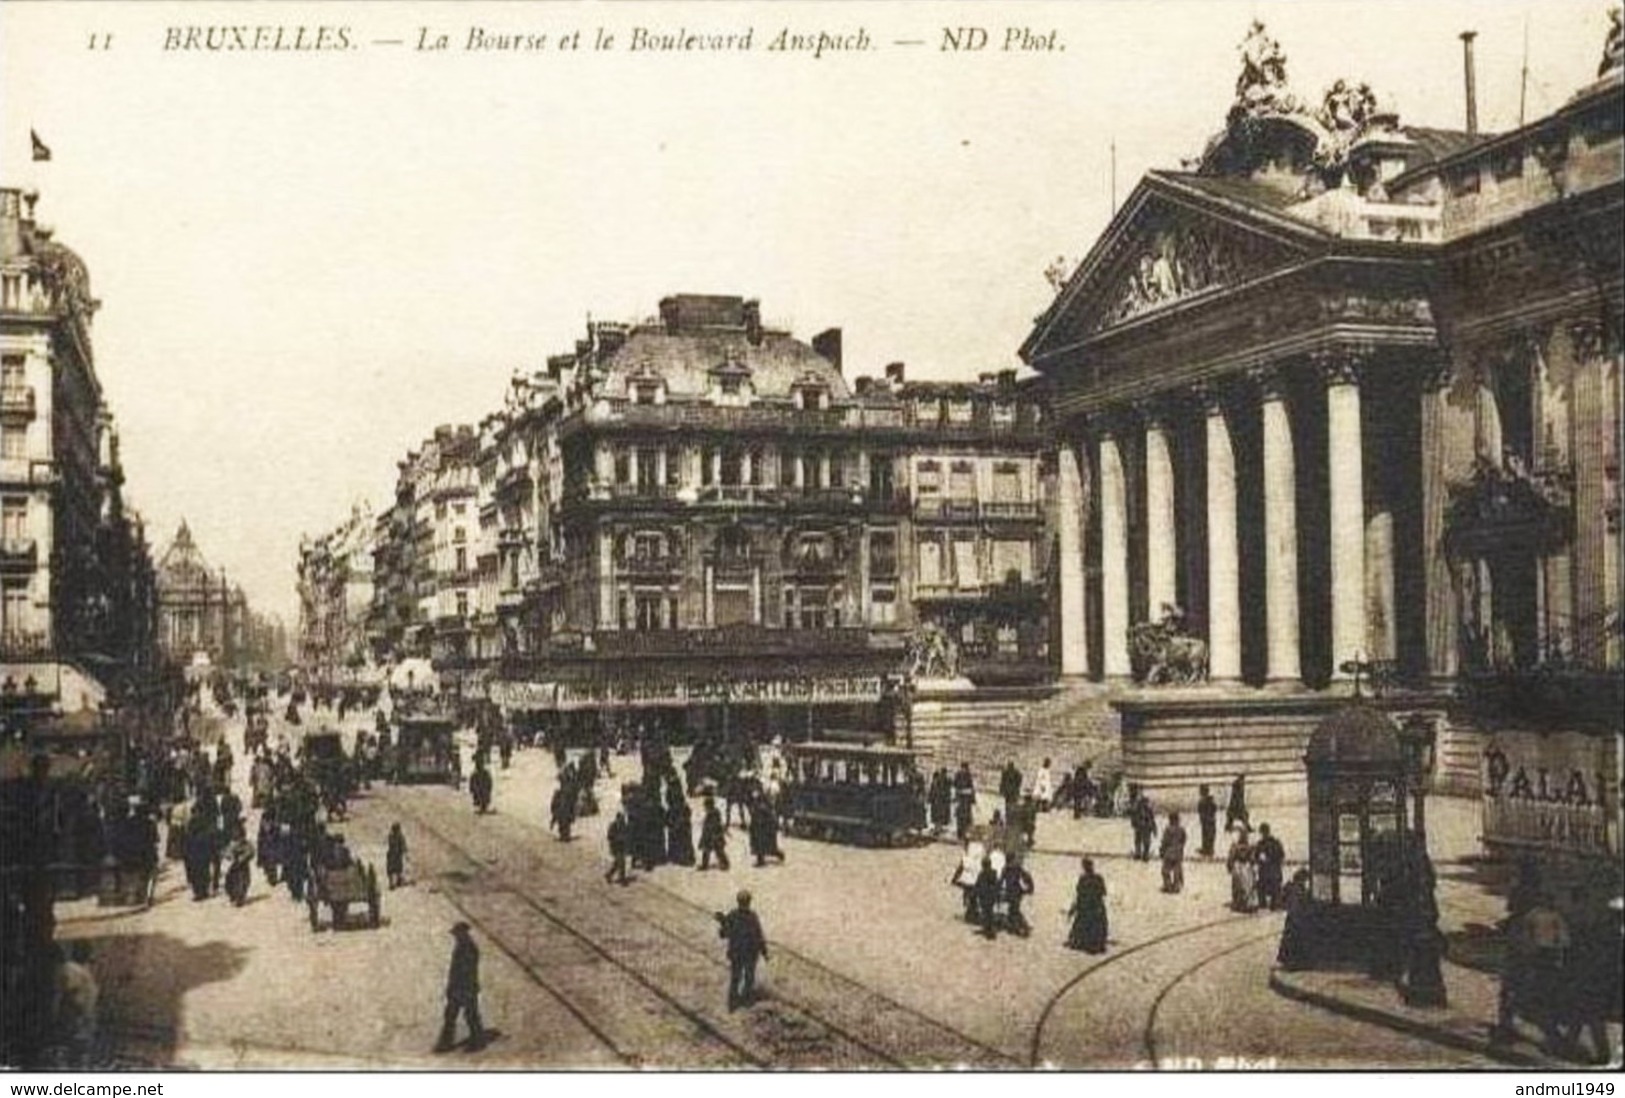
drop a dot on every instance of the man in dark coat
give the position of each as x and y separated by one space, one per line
746 945
679 826
395 856
1269 856
986 894
1237 808
1207 813
479 786
1016 884
764 831
1143 819
713 837
1010 787
462 993
619 838
562 810
1173 855
964 800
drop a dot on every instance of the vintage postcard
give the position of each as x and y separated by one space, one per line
602 534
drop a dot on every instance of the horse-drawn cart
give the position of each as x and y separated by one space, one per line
339 887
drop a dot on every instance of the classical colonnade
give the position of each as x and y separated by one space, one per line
1122 467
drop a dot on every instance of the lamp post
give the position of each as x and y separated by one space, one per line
1423 983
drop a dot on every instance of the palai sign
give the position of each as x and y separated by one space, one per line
1558 792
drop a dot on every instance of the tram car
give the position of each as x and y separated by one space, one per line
426 752
870 795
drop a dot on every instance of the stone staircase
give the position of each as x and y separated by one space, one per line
1068 724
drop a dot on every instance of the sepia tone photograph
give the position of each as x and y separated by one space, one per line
731 535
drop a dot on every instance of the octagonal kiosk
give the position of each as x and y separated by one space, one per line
1358 786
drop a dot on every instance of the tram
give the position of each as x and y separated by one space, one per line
871 795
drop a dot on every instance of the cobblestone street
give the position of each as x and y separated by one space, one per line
872 964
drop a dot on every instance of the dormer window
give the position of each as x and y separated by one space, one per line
960 411
812 399
730 381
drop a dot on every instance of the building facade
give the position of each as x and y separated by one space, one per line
424 554
77 600
205 620
1350 390
336 594
700 505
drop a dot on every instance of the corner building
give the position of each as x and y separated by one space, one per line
731 534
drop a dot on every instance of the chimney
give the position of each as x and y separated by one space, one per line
1472 82
894 372
828 344
752 311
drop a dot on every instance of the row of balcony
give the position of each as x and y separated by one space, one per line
804 421
842 499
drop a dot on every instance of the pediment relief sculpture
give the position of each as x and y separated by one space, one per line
1179 261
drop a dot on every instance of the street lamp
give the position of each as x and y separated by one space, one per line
1418 738
1424 979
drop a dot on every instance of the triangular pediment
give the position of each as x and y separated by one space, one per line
1175 241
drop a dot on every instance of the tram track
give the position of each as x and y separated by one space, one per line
792 1029
1149 1037
532 969
1066 990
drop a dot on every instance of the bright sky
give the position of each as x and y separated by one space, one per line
307 261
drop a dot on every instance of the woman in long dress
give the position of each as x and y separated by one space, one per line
1243 878
1088 912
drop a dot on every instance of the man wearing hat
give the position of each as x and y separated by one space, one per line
462 992
746 943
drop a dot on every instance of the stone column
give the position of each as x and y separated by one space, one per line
1283 662
1069 529
1591 591
1223 552
1340 369
1160 549
1448 435
1113 560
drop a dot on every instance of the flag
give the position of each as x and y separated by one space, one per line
42 151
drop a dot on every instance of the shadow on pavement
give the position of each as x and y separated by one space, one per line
144 980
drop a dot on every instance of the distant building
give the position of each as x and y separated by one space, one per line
335 595
77 600
424 555
204 620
